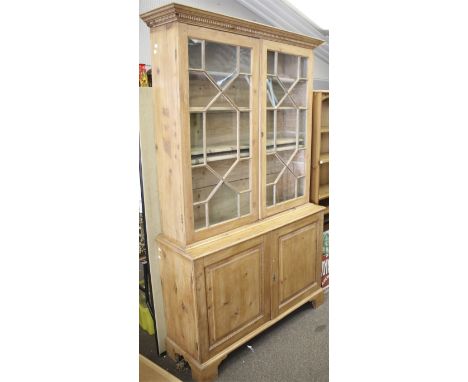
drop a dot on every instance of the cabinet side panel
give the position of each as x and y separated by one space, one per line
262 136
177 280
168 129
316 117
309 129
200 300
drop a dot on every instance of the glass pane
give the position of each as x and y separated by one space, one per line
195 53
202 194
220 58
244 133
239 91
285 187
287 68
286 155
270 129
286 127
275 91
221 102
297 165
196 134
299 93
223 205
220 186
303 69
244 203
269 195
203 183
274 167
239 177
199 216
221 167
221 132
300 186
302 127
222 79
201 90
245 60
287 102
271 62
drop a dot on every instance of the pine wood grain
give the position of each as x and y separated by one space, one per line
224 284
150 372
215 21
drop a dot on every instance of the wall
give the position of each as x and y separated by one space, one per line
320 74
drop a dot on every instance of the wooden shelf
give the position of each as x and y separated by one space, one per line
281 141
323 191
218 73
286 108
284 144
324 97
324 129
198 150
221 152
286 80
218 153
324 158
218 108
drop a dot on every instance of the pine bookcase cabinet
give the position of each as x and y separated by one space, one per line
241 243
320 152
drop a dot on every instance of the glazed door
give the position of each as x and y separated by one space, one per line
296 262
237 285
286 126
222 130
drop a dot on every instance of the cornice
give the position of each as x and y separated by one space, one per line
194 16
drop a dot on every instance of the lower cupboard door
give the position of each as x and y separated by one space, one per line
296 263
237 292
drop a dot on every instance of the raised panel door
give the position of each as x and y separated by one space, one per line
296 263
237 292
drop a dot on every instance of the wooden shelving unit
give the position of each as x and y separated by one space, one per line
323 192
319 187
324 158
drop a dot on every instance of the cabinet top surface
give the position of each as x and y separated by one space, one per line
189 15
250 231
